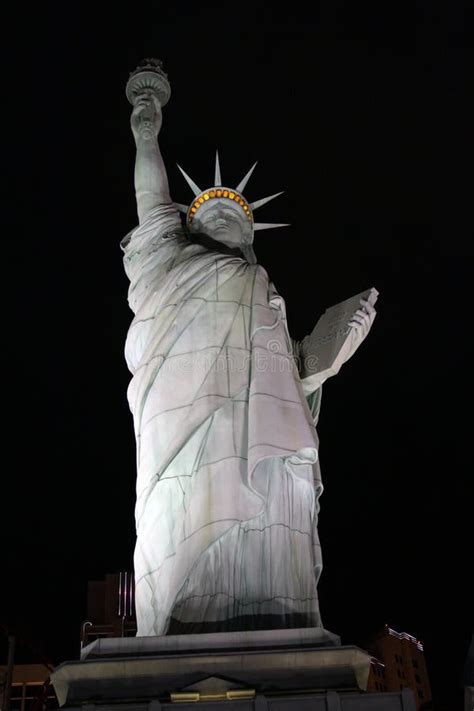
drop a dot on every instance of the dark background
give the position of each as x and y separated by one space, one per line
362 115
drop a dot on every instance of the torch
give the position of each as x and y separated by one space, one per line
150 79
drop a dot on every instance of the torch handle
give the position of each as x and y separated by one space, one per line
146 117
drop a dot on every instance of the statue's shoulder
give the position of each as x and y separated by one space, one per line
161 222
261 272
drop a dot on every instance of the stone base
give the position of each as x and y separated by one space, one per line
268 669
221 642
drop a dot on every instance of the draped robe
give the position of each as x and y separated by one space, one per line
227 454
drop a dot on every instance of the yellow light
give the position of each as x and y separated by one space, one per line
196 205
246 208
193 209
201 200
206 196
226 193
232 196
219 193
241 202
212 193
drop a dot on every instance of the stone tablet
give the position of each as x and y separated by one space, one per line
327 347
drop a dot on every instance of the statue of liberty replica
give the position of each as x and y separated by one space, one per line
225 405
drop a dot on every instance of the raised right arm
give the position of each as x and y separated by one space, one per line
151 180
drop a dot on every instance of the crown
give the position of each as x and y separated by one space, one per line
218 191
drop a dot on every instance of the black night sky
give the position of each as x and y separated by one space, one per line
362 115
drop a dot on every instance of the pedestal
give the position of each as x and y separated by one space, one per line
281 670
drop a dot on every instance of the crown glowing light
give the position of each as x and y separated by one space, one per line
218 191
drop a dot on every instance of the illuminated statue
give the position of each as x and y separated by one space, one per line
227 452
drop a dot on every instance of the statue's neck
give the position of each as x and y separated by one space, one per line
214 245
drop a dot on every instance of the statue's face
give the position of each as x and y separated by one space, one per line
223 221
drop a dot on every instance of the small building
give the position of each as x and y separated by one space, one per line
30 688
398 663
110 608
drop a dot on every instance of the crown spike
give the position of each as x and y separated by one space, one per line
217 176
241 186
267 226
258 203
196 190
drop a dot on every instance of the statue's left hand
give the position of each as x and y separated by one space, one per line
360 325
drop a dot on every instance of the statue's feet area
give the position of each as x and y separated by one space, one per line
261 573
246 623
